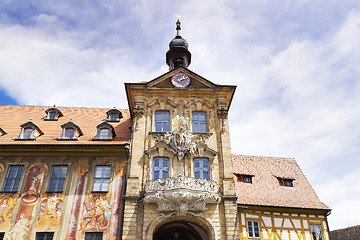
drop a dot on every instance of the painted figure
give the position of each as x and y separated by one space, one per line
96 214
20 229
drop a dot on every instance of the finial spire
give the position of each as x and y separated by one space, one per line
178 25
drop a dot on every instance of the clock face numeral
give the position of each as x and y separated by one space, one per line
180 80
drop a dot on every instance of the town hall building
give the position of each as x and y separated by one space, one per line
162 169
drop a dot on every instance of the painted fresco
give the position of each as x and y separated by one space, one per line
7 204
31 197
96 213
50 213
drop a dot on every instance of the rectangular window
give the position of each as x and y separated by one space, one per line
247 179
101 179
12 179
316 231
201 168
288 183
93 236
160 168
199 122
57 178
162 121
253 229
44 235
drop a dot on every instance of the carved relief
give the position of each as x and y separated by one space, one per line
181 195
199 104
180 139
138 112
163 103
222 114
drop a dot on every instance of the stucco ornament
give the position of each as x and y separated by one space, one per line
181 195
181 139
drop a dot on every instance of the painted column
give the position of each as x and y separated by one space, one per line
114 231
75 210
31 197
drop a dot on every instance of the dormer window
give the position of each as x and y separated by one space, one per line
29 131
244 178
52 114
113 115
105 131
70 131
287 182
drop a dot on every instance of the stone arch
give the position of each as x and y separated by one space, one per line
160 221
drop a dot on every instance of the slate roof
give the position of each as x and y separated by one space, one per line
265 189
12 116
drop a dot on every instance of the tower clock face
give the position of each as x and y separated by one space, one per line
180 80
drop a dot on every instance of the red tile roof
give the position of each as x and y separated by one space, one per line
12 116
266 190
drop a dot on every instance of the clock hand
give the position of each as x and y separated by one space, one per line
179 79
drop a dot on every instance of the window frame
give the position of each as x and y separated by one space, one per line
111 113
35 132
253 231
312 226
196 123
72 126
92 235
162 121
45 237
111 132
161 169
102 178
49 114
58 179
200 169
12 190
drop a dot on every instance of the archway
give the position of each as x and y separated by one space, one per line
180 230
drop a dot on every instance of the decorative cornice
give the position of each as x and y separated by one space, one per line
181 195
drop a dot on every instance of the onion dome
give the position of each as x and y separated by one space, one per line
178 54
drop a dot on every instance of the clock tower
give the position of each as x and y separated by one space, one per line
180 183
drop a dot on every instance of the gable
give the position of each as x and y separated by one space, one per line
196 81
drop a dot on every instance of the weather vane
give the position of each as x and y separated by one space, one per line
178 23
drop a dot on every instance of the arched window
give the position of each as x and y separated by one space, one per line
162 121
28 133
52 114
105 131
202 168
70 131
160 167
113 115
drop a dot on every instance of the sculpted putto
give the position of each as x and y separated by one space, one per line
180 139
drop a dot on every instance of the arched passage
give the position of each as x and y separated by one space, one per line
180 230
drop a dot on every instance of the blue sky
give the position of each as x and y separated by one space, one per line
296 65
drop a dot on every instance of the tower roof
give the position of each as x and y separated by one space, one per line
178 54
